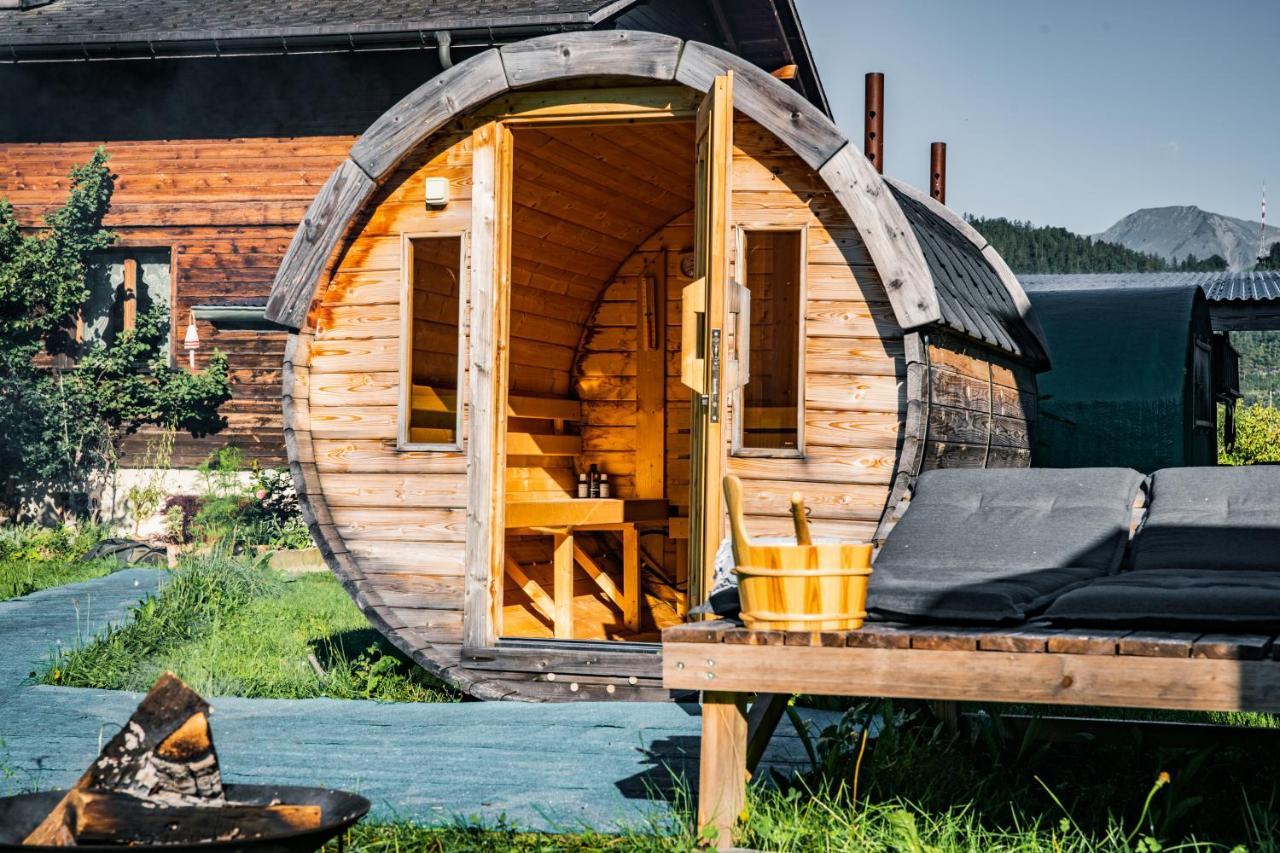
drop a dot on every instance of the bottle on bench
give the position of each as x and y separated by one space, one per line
593 481
604 485
583 489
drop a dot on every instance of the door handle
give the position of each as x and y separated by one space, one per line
693 360
739 373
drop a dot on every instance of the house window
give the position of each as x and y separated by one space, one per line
124 285
771 264
433 305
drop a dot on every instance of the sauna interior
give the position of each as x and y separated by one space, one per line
601 224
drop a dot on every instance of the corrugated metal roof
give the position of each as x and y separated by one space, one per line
1217 286
971 297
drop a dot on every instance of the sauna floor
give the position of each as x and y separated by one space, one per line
594 616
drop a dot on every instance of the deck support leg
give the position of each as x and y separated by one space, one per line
631 592
563 586
762 722
722 766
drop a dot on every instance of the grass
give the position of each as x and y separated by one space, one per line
231 628
925 789
33 558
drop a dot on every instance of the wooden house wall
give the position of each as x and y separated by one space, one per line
227 209
981 408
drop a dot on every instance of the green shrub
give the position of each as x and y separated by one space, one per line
1257 437
234 514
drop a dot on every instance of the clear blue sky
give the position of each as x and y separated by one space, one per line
1066 112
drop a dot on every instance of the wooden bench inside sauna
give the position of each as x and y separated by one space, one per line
624 251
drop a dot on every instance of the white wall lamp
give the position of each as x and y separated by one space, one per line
437 190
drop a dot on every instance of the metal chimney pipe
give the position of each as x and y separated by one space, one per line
874 145
938 172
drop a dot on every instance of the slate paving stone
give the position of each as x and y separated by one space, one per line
566 767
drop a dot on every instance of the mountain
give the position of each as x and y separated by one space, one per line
1175 232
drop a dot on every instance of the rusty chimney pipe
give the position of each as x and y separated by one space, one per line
874 146
938 172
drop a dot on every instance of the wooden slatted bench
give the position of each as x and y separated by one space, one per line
1022 664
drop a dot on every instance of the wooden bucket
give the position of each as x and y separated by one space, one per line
804 587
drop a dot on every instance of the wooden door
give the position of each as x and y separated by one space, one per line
703 340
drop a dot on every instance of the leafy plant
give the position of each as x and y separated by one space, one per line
63 426
238 511
1257 437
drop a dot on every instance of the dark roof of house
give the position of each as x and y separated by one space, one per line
1217 286
972 297
91 22
765 32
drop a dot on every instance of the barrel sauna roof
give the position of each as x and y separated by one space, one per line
985 303
978 295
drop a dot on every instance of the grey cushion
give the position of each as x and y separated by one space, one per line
1211 518
997 545
1175 598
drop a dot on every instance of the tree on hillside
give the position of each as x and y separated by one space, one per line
1036 249
1213 263
1271 260
62 424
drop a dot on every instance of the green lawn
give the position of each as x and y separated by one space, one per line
229 628
33 558
24 576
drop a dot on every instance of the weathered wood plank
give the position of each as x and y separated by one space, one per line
769 101
315 243
889 238
1061 679
426 109
626 53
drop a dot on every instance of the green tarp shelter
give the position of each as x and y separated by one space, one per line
1131 383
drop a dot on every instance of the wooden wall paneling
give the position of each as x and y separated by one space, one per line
651 367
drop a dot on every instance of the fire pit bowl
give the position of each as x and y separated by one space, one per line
340 810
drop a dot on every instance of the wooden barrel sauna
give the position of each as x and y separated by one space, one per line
623 254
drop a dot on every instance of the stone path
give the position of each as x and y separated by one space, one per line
550 767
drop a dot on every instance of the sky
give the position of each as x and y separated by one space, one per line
1066 112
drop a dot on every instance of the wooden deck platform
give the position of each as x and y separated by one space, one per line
1023 664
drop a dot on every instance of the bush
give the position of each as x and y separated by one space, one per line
1257 437
63 427
236 514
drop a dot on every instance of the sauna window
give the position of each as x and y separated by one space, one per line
771 265
433 342
124 285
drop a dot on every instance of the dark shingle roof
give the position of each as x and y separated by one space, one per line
1217 286
971 296
94 22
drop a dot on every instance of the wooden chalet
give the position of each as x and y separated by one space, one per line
616 243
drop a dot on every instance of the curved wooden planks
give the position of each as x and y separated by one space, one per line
625 53
315 243
425 110
765 98
889 238
993 257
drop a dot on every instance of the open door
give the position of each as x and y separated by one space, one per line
703 340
